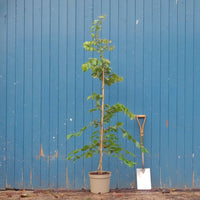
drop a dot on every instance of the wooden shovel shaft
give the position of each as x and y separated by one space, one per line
142 135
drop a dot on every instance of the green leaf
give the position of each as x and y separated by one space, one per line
130 153
95 142
84 128
130 163
144 150
86 147
88 155
111 48
102 17
131 115
120 123
125 160
92 110
70 157
77 133
105 41
70 136
84 67
95 96
137 144
76 151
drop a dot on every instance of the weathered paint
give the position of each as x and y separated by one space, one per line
41 154
43 91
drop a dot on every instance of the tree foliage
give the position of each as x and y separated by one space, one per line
100 67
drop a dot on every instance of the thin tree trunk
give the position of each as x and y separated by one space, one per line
102 113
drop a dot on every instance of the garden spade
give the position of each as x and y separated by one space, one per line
143 174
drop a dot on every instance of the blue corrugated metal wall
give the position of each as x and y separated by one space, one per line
43 90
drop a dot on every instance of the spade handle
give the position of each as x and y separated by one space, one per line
142 134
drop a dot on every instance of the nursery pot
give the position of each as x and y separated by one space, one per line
99 183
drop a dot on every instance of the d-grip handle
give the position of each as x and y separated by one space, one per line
141 127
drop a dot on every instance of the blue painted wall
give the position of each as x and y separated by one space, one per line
43 91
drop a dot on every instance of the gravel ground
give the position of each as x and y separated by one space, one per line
160 194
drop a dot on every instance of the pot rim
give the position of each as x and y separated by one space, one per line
108 174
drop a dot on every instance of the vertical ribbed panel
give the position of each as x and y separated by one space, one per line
43 91
3 92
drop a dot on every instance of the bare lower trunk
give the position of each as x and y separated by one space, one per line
101 133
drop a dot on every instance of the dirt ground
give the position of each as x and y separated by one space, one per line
159 194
